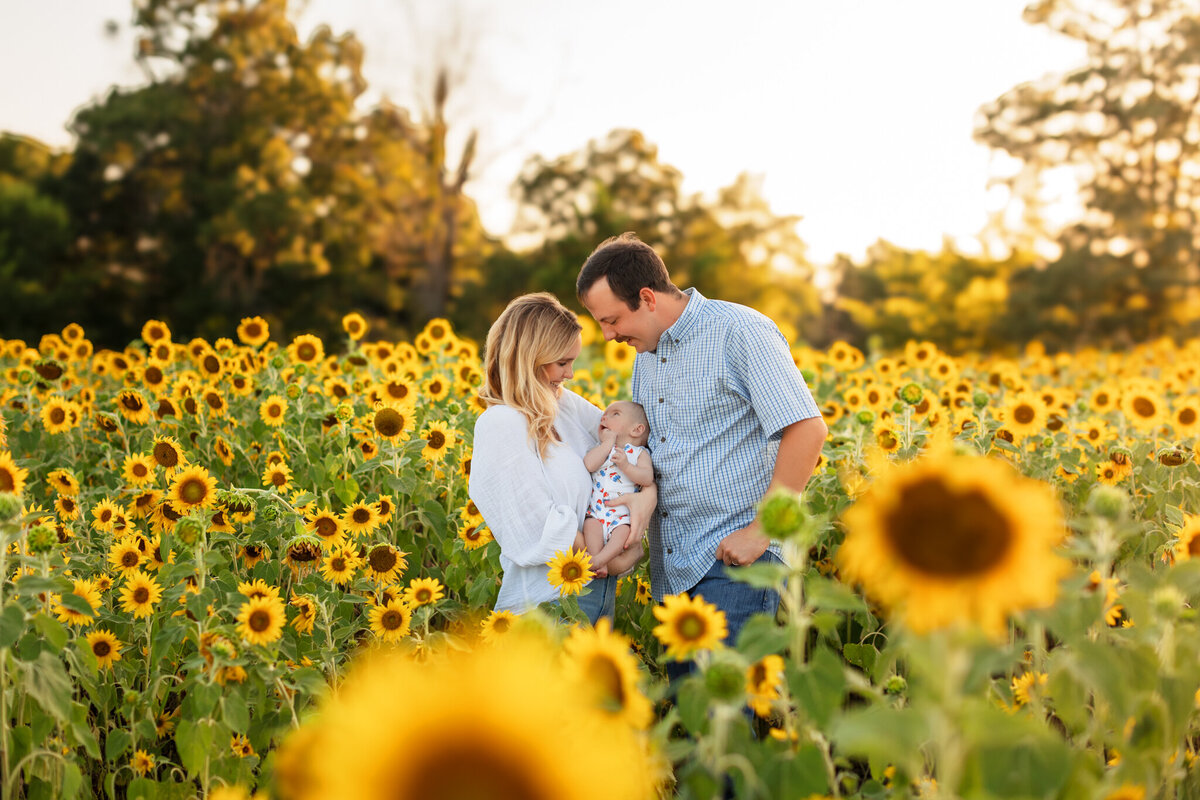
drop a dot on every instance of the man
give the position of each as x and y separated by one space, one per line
730 419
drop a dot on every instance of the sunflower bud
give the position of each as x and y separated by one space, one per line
1120 455
25 376
189 530
912 393
10 506
131 697
293 391
271 513
453 407
42 539
865 417
980 399
1108 502
782 515
895 685
1168 601
1174 456
107 422
278 361
345 412
725 680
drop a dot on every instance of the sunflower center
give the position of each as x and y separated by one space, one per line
437 440
253 331
439 775
278 478
1194 547
101 648
212 363
132 402
690 626
165 455
130 559
361 516
572 572
1144 407
388 422
501 624
306 352
948 534
213 399
391 619
259 620
423 596
326 527
57 415
382 559
1187 417
604 675
1102 399
193 491
7 482
141 594
1024 414
273 410
140 470
153 375
435 387
758 674
887 440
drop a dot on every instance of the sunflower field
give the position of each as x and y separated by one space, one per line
247 568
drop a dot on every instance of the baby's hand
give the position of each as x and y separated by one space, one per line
619 459
608 437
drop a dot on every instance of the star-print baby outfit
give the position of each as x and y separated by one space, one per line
608 481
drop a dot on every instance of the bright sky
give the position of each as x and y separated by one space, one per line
858 113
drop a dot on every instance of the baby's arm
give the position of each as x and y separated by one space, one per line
594 459
641 473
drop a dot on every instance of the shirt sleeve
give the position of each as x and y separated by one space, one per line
509 487
762 366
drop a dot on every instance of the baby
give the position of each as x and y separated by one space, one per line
620 464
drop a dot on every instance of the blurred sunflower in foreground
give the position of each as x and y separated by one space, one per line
954 539
498 721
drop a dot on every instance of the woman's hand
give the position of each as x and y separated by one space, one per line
641 508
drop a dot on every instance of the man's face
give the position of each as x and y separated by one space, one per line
618 321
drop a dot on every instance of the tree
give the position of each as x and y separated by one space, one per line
1128 122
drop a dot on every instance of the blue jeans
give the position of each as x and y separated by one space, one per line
601 599
739 601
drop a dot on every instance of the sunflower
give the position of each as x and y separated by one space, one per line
688 624
140 594
12 477
1024 415
435 388
143 504
1185 417
66 507
393 422
570 571
360 518
339 565
619 356
261 620
62 481
384 563
213 401
253 331
192 489
1025 687
133 406
278 476
642 594
327 527
306 349
169 454
950 539
474 536
391 621
142 762
354 325
887 438
1187 543
59 415
534 740
125 556
423 592
240 745
384 506
1110 473
306 613
439 438
605 669
496 624
138 470
272 410
1144 408
1104 398
105 647
763 681
86 590
104 514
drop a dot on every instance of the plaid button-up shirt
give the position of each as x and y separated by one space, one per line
718 390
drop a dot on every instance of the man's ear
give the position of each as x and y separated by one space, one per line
648 298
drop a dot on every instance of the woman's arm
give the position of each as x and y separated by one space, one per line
508 485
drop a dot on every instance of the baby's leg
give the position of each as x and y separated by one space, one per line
625 559
593 537
612 549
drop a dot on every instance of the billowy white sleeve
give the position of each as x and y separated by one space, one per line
510 487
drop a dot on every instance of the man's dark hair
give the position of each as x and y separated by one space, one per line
630 265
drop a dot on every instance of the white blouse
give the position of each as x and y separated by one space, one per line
533 507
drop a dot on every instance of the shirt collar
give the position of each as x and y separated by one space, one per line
687 320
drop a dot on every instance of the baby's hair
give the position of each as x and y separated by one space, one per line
640 413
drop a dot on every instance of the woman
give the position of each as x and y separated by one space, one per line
527 473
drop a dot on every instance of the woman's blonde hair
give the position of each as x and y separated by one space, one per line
533 331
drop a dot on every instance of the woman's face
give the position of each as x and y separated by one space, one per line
563 369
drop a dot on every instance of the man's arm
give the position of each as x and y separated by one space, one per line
799 450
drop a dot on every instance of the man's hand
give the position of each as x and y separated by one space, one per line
743 546
641 506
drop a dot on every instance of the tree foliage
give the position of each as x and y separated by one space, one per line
1128 123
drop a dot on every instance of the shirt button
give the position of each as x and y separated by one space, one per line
664 359
664 515
669 551
660 399
662 438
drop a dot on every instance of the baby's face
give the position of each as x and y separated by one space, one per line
619 418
